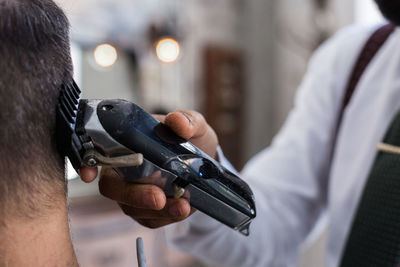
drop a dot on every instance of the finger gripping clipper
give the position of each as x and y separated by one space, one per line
120 134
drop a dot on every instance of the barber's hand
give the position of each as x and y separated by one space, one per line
147 204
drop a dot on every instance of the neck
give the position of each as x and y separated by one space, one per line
43 241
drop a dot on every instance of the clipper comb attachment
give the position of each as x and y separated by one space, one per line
68 142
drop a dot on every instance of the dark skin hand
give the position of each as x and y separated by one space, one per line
147 204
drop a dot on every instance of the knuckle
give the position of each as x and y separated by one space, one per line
156 197
152 191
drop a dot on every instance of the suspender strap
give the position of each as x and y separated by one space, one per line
372 46
370 49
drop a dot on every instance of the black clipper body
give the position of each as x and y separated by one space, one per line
116 132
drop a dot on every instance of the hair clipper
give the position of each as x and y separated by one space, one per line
120 134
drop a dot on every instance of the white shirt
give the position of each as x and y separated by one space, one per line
290 179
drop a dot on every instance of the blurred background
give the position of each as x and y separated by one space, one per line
238 62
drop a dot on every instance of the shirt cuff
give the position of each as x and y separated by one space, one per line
225 162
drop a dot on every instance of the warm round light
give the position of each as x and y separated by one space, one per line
167 50
105 55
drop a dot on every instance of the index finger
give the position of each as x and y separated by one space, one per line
143 196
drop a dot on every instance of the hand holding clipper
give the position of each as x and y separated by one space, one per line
111 132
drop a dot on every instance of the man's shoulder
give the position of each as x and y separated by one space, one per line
350 38
355 32
345 45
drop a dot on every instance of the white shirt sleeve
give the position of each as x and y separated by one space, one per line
289 179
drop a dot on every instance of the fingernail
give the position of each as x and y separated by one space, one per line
175 210
187 117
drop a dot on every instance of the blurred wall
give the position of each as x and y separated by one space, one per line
299 29
203 22
279 37
100 83
256 35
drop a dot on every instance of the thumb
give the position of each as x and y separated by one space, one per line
192 126
88 174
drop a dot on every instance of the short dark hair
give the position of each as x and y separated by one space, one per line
390 9
34 63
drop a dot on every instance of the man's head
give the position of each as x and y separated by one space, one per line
390 9
34 62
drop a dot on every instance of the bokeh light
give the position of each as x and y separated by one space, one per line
167 50
105 55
